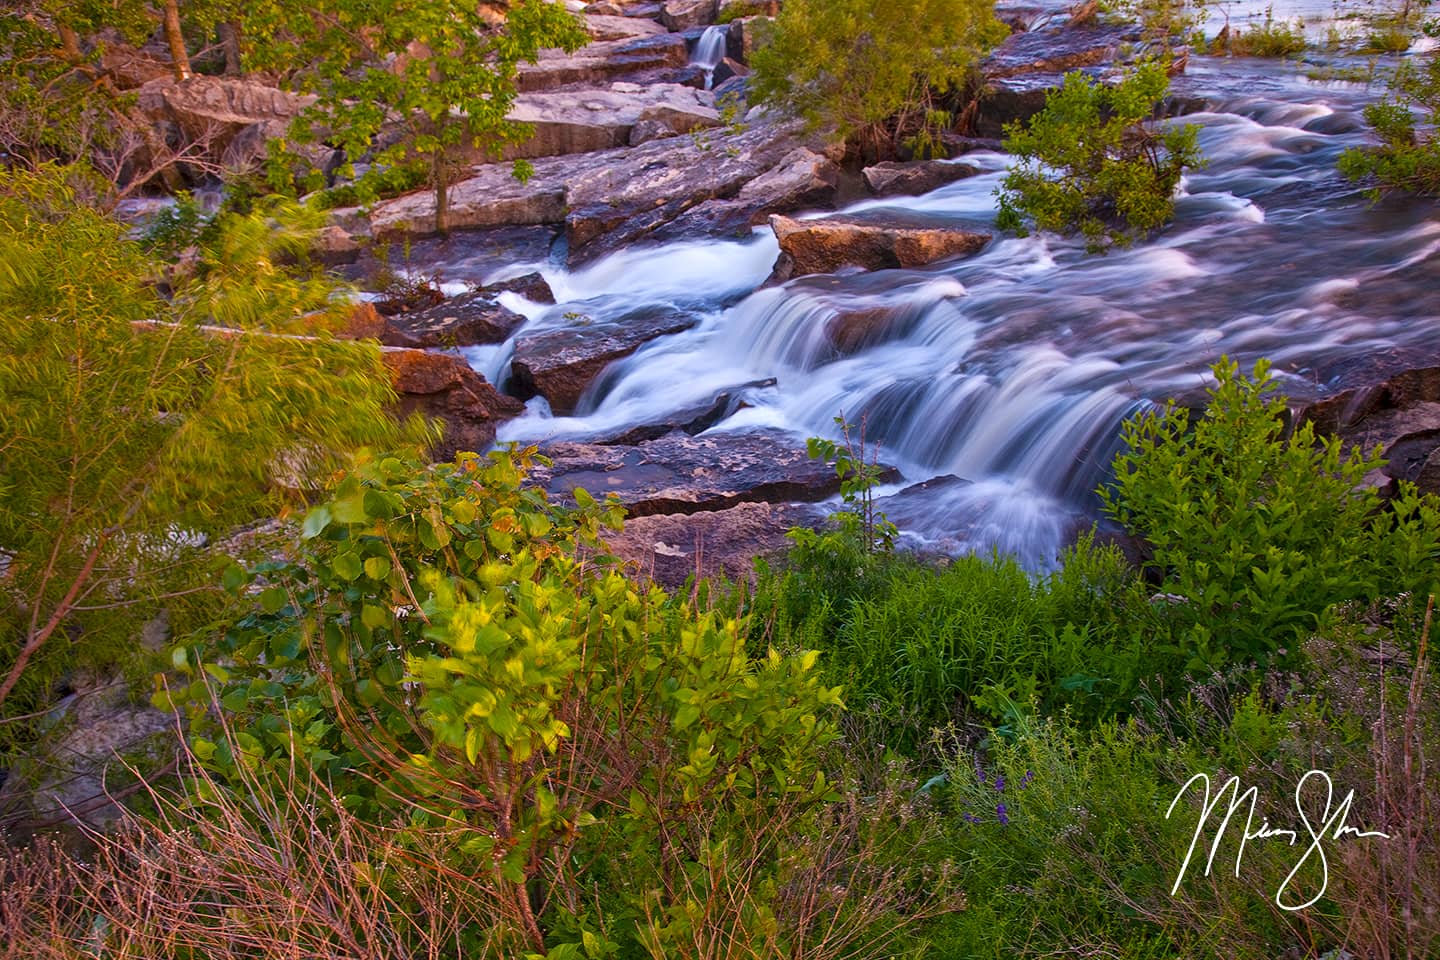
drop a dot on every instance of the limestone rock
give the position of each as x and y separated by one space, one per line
683 474
912 179
668 548
680 15
444 386
824 246
463 321
561 363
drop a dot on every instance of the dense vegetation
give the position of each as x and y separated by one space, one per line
1094 162
425 711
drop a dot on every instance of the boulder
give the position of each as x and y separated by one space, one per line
444 386
851 331
600 63
364 322
334 245
531 286
560 363
669 548
581 121
1400 413
912 179
463 321
632 197
492 197
683 474
681 15
742 39
129 68
824 246
217 108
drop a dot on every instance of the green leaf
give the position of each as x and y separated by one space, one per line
315 522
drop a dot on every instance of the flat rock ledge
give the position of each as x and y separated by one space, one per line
683 474
827 245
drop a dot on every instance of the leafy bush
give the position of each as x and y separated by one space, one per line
1269 38
862 69
1092 162
1258 532
131 430
1406 159
452 649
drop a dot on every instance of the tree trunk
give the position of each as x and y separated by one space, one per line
229 32
442 194
176 40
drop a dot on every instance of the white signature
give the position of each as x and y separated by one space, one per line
1331 826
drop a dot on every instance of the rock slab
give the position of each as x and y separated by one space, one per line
827 245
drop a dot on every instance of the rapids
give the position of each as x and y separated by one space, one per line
1015 368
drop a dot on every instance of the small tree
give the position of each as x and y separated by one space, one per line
416 79
861 69
1406 159
130 431
1092 162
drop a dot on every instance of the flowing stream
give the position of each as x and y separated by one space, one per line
1014 369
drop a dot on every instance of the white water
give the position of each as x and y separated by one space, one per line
1014 368
709 51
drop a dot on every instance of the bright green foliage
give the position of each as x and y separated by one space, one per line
862 69
422 80
1406 159
858 480
128 432
1258 532
1092 162
1267 38
442 649
1166 21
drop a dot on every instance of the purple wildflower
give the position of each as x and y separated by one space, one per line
999 783
1025 780
971 818
979 771
1001 815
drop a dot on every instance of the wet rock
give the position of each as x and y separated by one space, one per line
444 386
824 246
1058 49
914 178
728 69
679 15
581 121
600 63
531 286
560 363
669 548
851 331
684 474
1400 413
463 321
129 68
692 419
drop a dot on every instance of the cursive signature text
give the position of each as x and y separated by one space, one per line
1330 826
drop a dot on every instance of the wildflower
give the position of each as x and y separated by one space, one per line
1025 780
1001 815
999 783
971 818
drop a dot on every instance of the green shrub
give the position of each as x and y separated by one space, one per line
862 70
1258 532
1269 38
1092 162
451 648
1406 159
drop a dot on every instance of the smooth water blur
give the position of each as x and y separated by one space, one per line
1014 369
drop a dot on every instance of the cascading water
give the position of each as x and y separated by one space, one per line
1013 369
709 51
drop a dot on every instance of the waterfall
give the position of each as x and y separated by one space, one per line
709 51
